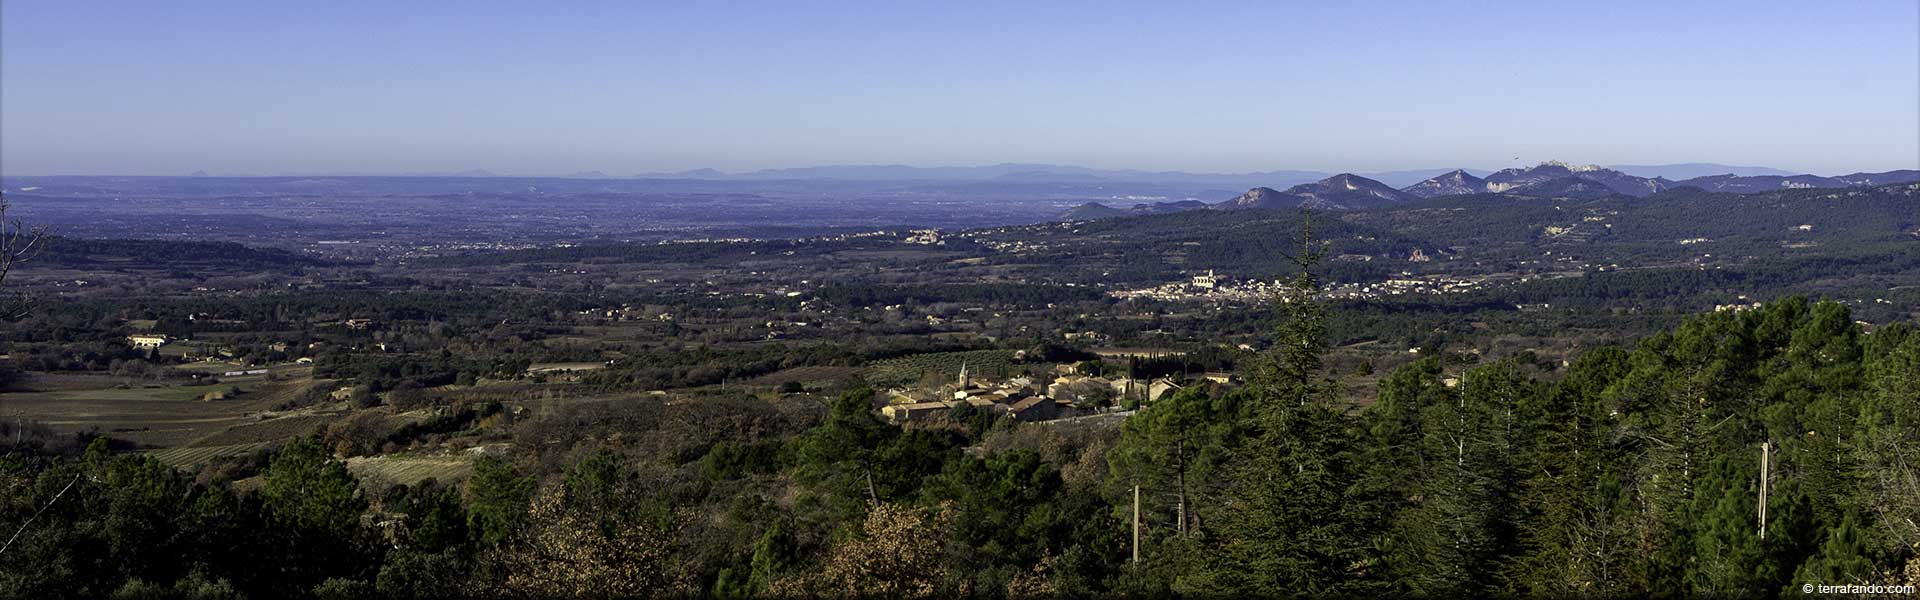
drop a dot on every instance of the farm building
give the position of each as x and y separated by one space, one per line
1036 408
147 342
1161 387
1221 377
901 413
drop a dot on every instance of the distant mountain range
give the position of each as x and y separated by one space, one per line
1762 183
1552 179
1072 174
1027 172
1035 172
1271 189
1564 178
1510 179
1339 192
1042 172
1567 187
1262 197
1096 210
1014 172
1347 190
1692 170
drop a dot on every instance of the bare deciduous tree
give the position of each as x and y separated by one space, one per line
18 242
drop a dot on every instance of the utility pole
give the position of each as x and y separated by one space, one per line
1180 460
1766 457
1136 523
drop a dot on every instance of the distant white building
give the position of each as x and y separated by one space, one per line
1206 282
147 342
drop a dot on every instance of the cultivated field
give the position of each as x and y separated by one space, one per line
806 375
154 415
191 457
410 469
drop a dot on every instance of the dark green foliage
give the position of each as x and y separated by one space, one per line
1293 521
1729 558
774 556
1394 452
1177 450
841 450
858 457
316 505
307 490
76 252
194 586
1577 537
1004 519
497 498
730 460
1454 540
131 526
418 573
1845 557
436 519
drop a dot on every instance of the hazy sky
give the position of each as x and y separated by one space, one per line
544 88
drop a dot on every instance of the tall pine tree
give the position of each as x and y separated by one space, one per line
1289 524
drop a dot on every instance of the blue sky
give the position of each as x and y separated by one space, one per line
628 87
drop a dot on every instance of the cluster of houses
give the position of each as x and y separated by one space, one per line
927 237
212 352
1406 284
1214 287
1210 286
1069 394
628 312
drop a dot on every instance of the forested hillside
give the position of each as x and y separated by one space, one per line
1630 471
76 252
